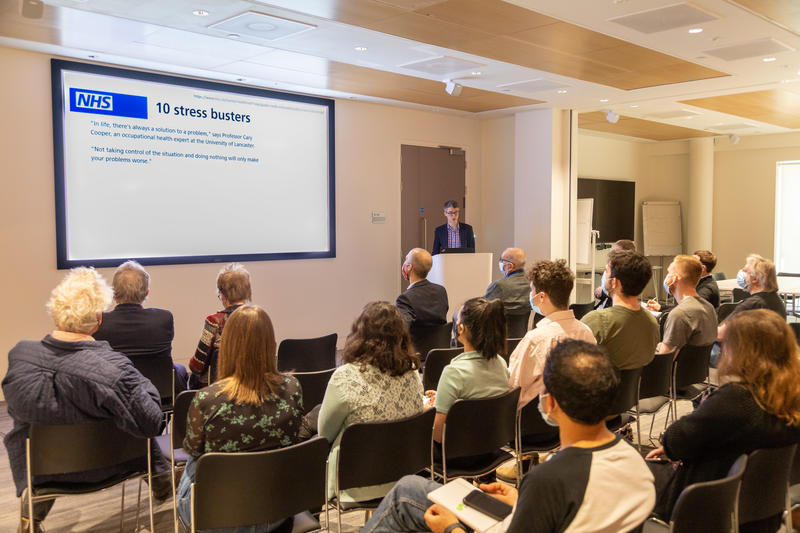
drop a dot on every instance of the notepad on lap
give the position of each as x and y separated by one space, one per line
451 496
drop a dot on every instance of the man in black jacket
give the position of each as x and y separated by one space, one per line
423 303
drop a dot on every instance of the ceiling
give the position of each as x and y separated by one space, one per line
739 75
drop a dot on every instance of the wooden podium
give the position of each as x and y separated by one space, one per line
464 276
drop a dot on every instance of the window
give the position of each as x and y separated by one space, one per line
787 228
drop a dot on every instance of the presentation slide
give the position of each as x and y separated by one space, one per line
173 170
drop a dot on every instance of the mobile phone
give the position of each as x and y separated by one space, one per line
480 501
660 460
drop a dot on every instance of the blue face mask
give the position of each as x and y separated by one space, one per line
667 285
546 417
603 283
534 306
741 279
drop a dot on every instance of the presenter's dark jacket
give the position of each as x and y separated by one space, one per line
138 332
423 304
465 233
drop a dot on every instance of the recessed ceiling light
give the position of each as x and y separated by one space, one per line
361 48
604 100
562 91
634 105
92 56
477 73
234 36
200 13
696 30
241 79
769 59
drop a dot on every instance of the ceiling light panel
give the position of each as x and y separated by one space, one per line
533 86
664 18
442 66
761 47
681 113
261 26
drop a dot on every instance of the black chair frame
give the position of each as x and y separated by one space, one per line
434 365
307 355
427 338
691 366
529 423
313 385
654 388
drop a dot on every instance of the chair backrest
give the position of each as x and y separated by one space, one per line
480 426
517 325
532 423
427 338
240 489
179 414
628 391
511 345
691 365
307 355
434 365
718 276
796 328
739 294
709 506
372 453
313 385
765 482
725 310
71 448
159 371
656 376
581 309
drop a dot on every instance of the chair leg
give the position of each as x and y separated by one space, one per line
638 430
150 486
139 502
339 513
122 508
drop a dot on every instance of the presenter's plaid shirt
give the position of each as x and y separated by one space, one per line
453 238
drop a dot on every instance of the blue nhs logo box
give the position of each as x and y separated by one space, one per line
106 103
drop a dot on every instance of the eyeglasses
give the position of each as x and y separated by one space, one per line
450 213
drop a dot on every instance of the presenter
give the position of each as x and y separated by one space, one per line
452 234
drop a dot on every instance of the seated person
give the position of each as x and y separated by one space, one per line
378 381
251 406
596 482
70 378
479 372
600 293
629 333
707 287
512 289
452 234
423 303
757 407
233 290
693 322
136 331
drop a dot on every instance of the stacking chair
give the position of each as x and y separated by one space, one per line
511 345
307 355
718 276
796 328
479 426
241 489
313 385
627 398
427 338
725 310
517 325
580 310
533 434
709 506
739 294
161 374
434 365
690 374
765 484
373 453
68 449
654 387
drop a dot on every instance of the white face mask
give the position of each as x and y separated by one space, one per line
546 416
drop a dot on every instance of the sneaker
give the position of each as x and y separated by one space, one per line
509 473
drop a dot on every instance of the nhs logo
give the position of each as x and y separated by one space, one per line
107 103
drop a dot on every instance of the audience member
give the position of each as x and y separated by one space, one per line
596 482
133 330
452 234
758 277
693 321
629 332
70 378
707 287
512 289
601 293
758 406
251 406
423 303
233 290
378 381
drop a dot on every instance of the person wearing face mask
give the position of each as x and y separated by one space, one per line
600 293
693 321
512 288
423 303
595 482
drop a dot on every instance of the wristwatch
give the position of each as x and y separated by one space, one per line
451 527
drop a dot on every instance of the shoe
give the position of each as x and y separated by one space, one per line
509 473
162 487
627 433
24 526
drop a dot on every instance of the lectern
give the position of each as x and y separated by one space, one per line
464 276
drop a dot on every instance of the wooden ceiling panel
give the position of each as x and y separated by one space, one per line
636 127
429 30
502 19
785 13
568 38
781 108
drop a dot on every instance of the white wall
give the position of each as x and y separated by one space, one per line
304 298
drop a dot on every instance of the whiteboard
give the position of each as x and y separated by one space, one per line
583 236
662 228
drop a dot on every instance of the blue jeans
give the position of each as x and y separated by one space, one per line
185 505
403 509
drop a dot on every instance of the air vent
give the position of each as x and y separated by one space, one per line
681 113
533 86
442 66
261 26
762 47
664 18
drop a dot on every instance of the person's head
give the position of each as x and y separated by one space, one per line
759 350
131 283
247 356
761 274
77 303
451 211
379 338
233 284
627 273
624 244
707 259
482 324
582 381
512 259
551 281
683 273
417 264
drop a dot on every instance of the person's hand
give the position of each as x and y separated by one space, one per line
438 518
598 292
656 454
653 305
430 398
501 491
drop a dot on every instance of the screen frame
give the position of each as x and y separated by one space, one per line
57 66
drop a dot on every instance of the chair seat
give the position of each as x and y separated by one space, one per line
540 443
619 421
654 526
490 466
692 391
163 444
53 488
352 506
301 523
651 405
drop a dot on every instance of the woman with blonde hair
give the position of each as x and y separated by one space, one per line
757 407
250 407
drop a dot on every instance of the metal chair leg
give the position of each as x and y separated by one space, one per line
122 508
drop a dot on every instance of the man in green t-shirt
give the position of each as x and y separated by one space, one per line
628 331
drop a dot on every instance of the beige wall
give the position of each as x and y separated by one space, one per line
304 298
